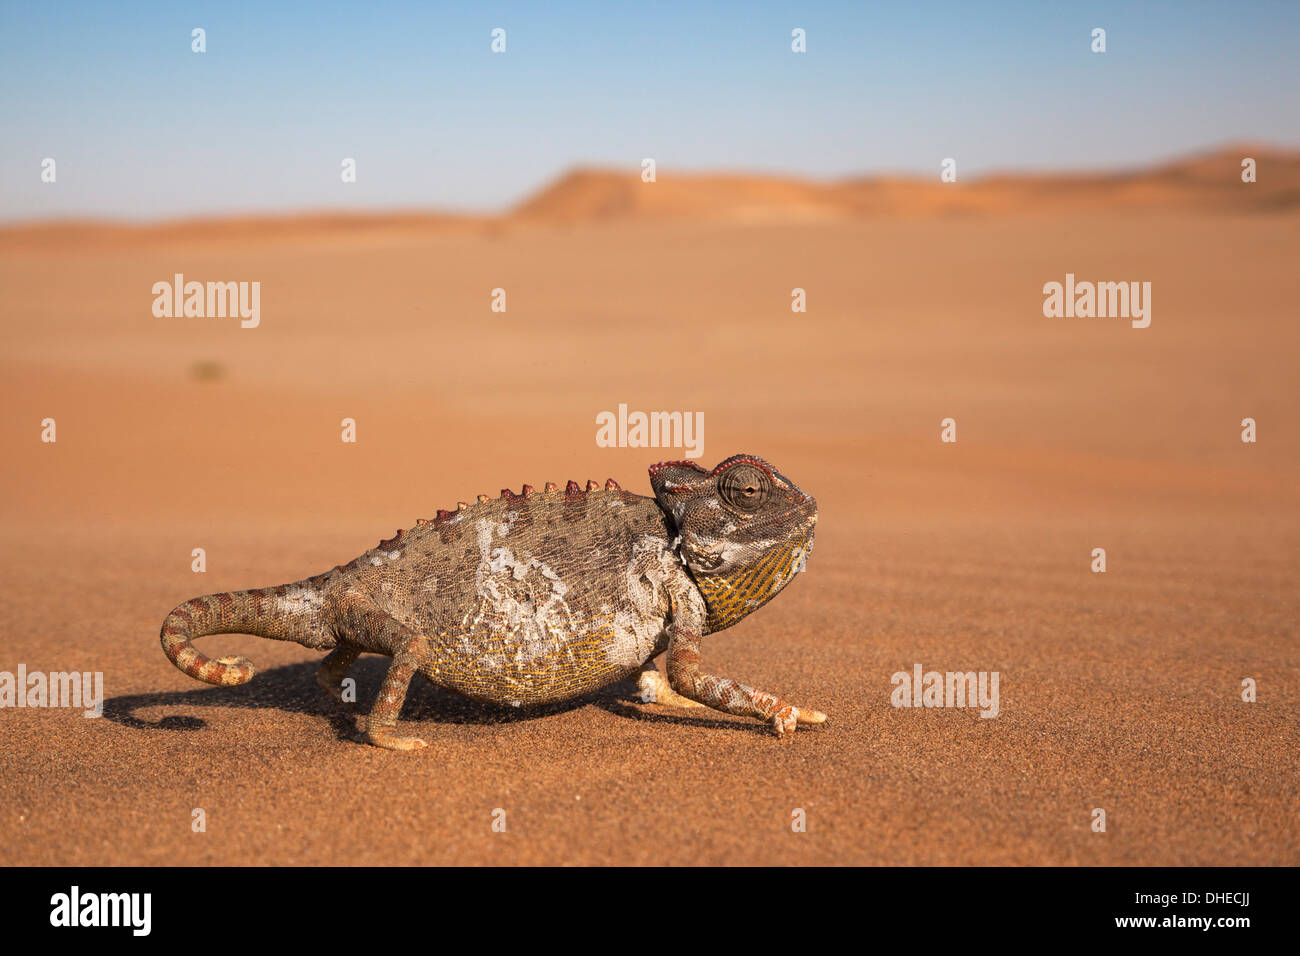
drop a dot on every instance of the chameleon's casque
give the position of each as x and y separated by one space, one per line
542 596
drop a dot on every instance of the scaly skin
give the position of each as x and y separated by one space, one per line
539 597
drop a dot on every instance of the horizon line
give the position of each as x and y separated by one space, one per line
394 212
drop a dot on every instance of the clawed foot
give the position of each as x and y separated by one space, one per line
788 718
653 688
386 737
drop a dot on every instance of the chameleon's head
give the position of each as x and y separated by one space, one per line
744 530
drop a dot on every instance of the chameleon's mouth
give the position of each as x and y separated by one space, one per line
734 592
801 515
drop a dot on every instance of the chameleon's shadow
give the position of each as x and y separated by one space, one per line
293 689
628 707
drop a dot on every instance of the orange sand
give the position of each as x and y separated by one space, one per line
1119 691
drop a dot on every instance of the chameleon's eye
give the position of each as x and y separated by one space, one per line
744 487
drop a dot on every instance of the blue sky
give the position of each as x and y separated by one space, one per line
141 127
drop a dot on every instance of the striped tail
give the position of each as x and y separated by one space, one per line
284 613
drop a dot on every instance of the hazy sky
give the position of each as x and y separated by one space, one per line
142 127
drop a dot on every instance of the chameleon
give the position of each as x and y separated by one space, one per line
541 597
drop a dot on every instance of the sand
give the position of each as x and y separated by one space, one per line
1119 691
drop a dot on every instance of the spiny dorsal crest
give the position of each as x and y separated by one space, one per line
527 491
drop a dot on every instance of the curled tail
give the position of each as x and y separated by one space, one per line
285 613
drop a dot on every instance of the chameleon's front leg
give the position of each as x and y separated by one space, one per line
727 695
722 693
653 688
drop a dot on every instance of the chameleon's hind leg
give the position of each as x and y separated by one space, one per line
653 688
381 725
370 628
334 668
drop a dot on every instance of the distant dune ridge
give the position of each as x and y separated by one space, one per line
1205 182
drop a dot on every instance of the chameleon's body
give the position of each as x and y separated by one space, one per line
541 596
